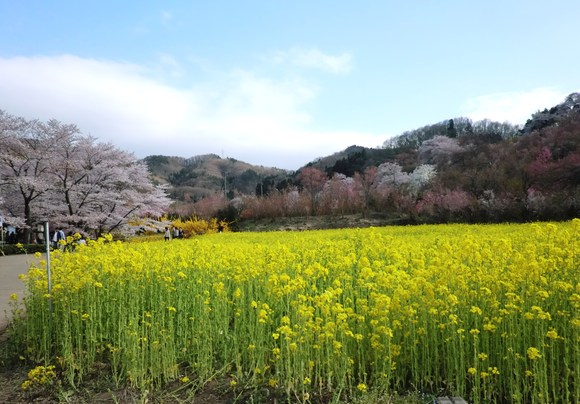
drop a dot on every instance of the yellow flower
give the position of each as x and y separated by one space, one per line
552 334
493 370
476 310
362 387
489 327
542 294
263 315
533 353
472 371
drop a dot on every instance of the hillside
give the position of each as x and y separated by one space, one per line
191 179
455 170
194 178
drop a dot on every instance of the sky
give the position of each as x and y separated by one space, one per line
281 83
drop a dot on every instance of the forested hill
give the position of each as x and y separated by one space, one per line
455 168
194 178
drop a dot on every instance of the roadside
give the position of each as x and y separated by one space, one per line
10 267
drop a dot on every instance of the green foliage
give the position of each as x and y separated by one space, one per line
247 181
451 131
355 162
156 160
13 249
185 176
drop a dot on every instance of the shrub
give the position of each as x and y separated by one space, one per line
12 249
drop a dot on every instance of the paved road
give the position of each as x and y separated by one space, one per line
10 267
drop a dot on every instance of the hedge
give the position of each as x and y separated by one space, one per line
12 249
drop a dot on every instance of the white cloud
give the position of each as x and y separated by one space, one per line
249 117
513 107
314 59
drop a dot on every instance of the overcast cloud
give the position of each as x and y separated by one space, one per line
241 115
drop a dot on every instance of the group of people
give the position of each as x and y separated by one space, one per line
34 235
8 235
12 235
173 233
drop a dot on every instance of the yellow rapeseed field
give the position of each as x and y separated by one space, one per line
487 312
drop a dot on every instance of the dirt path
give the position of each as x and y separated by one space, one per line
10 267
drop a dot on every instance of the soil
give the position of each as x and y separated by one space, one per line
98 390
317 222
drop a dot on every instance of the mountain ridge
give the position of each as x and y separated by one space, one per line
194 178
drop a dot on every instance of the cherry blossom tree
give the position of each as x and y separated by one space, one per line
391 174
313 180
439 149
421 176
208 207
340 195
27 150
99 187
51 171
444 204
366 184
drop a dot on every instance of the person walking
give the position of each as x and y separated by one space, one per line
57 236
